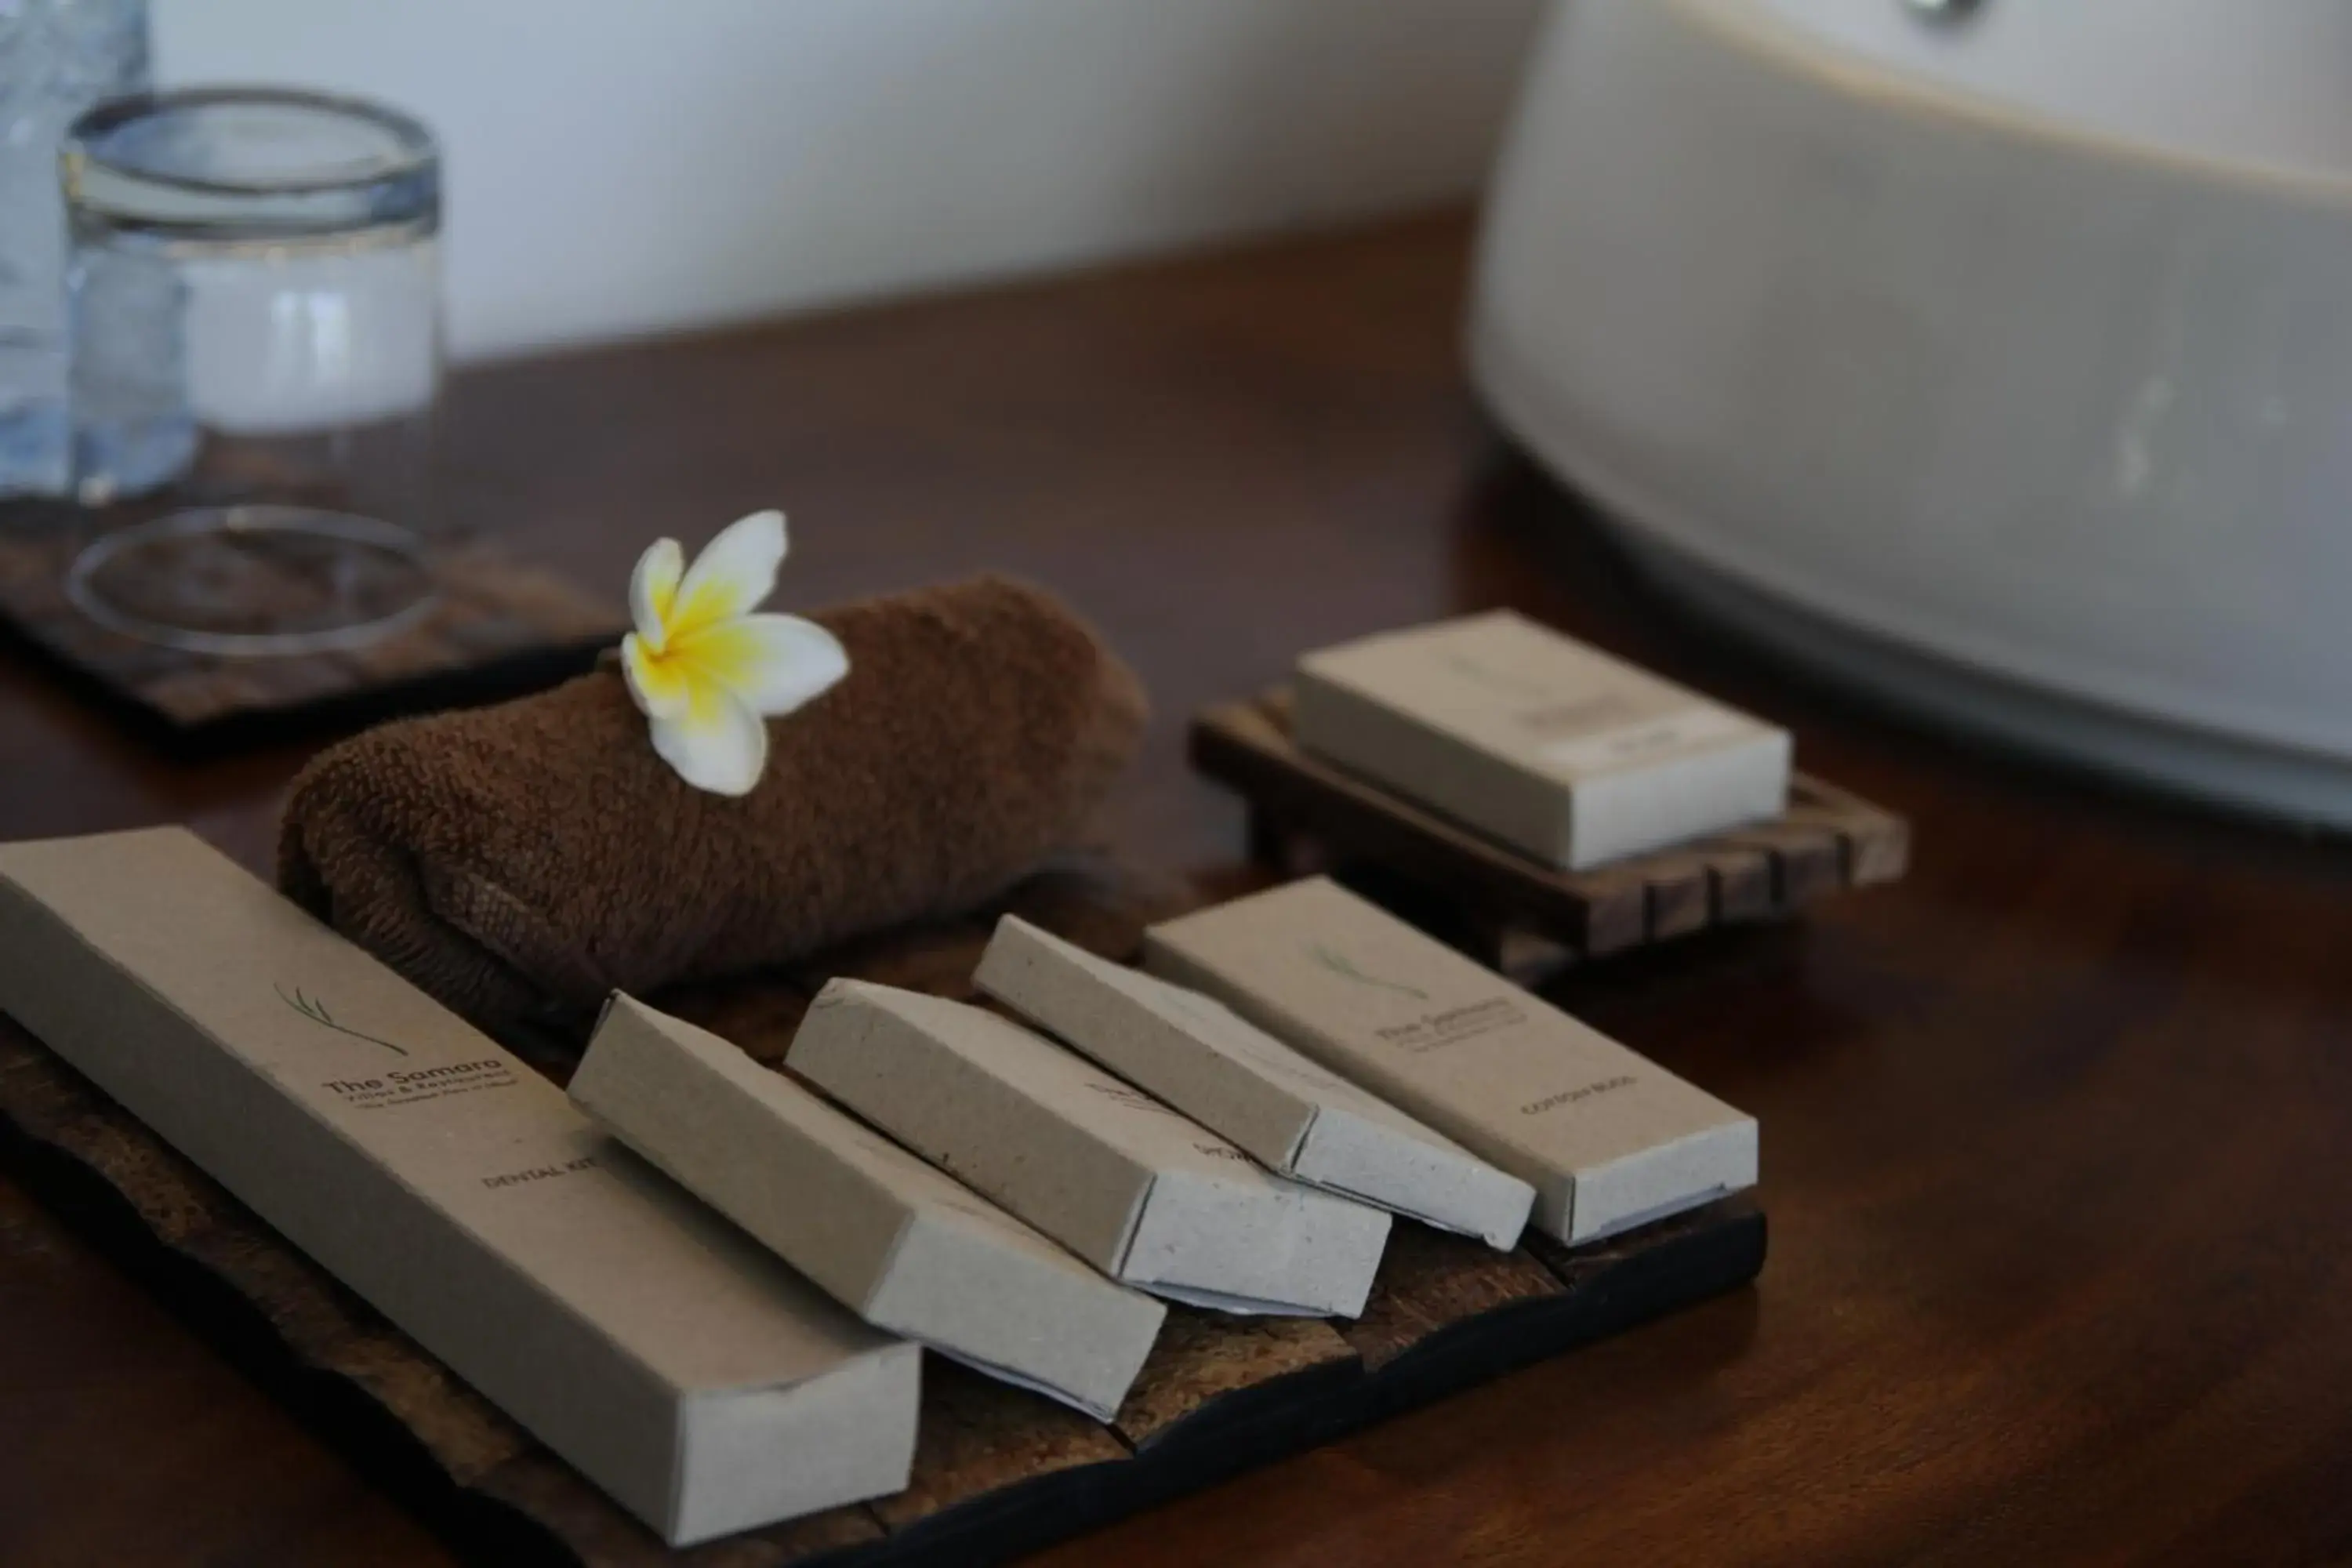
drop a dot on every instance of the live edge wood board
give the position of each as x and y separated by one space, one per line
997 1471
1523 917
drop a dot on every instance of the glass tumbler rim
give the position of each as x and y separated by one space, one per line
389 172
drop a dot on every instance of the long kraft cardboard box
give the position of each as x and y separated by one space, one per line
906 1247
1607 1139
670 1358
1141 1193
1294 1116
1536 739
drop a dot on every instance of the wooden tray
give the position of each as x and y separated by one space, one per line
997 1471
1518 914
502 626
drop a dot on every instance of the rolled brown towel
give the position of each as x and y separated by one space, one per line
520 862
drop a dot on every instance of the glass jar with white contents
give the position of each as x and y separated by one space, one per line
256 355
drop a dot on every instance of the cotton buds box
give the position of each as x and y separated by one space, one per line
1291 1114
1607 1139
1141 1193
907 1247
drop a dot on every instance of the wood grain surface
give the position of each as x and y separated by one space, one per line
2055 1128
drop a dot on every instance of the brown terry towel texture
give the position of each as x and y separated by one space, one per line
520 862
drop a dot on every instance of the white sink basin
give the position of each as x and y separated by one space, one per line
2003 363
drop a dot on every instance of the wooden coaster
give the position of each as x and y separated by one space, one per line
498 627
1515 913
998 1470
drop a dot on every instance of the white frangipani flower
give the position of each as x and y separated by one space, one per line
708 671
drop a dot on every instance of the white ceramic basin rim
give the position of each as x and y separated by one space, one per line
2263 84
2054 390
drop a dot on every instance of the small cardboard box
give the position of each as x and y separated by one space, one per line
1297 1118
1137 1191
675 1362
1531 737
906 1248
1608 1140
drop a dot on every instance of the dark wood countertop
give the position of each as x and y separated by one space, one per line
2058 1133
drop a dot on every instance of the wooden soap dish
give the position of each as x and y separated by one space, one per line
1524 917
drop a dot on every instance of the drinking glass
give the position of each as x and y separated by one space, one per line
254 284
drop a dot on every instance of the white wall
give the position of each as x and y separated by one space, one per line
623 166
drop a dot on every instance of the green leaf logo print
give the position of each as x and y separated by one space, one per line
310 1007
1339 963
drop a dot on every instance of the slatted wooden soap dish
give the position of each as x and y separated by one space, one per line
1515 912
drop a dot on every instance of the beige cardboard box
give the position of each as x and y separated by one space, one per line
1534 738
906 1247
670 1358
1297 1118
1127 1185
1609 1140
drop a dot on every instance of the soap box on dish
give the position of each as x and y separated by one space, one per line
1294 1116
1135 1189
908 1248
1608 1140
1534 738
671 1359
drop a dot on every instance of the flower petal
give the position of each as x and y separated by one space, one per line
656 684
653 589
772 663
734 572
716 743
